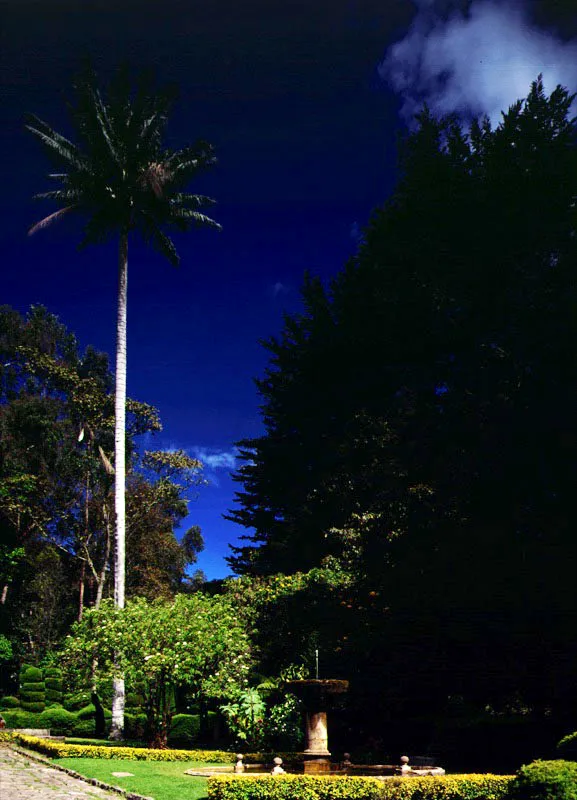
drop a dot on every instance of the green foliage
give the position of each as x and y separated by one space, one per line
60 721
74 702
9 702
545 780
33 707
568 746
196 641
37 686
184 730
31 675
6 652
21 718
134 725
304 787
62 750
245 718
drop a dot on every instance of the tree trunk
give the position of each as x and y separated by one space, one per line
117 728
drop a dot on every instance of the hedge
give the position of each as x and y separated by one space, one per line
32 686
33 708
545 780
61 750
9 702
333 787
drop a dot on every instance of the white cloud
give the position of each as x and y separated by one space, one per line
215 459
474 63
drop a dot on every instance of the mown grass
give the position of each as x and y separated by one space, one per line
163 780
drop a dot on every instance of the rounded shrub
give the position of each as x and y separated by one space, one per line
185 729
20 719
74 702
9 702
545 780
60 721
86 712
31 675
85 728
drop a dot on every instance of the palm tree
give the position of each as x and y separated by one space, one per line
120 179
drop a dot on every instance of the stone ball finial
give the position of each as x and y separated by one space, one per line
346 758
239 766
404 759
277 769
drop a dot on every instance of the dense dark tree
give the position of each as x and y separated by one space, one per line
419 425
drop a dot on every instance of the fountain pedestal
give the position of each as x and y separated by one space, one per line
317 696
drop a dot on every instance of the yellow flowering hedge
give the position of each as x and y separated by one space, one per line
333 787
54 749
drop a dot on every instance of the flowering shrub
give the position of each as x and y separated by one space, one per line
332 787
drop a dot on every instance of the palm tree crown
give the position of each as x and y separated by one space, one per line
119 175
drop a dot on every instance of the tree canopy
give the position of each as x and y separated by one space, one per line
420 434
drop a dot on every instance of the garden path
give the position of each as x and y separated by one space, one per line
22 778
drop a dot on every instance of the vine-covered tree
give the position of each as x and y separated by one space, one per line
121 179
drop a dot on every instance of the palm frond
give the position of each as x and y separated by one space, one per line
196 218
196 200
44 223
59 194
58 145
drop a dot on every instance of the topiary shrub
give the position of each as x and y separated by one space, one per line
184 730
53 683
60 721
32 686
87 712
545 780
31 674
9 702
568 747
32 690
74 702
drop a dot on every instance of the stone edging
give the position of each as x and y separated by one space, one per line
92 781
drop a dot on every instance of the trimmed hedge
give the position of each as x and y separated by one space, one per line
33 708
9 702
342 787
32 686
185 729
545 780
61 750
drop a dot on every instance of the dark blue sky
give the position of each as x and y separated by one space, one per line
304 128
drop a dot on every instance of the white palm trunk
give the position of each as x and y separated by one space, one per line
117 726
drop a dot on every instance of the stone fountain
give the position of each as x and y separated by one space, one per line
318 696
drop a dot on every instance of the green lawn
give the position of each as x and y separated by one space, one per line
163 780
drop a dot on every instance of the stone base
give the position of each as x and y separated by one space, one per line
315 766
